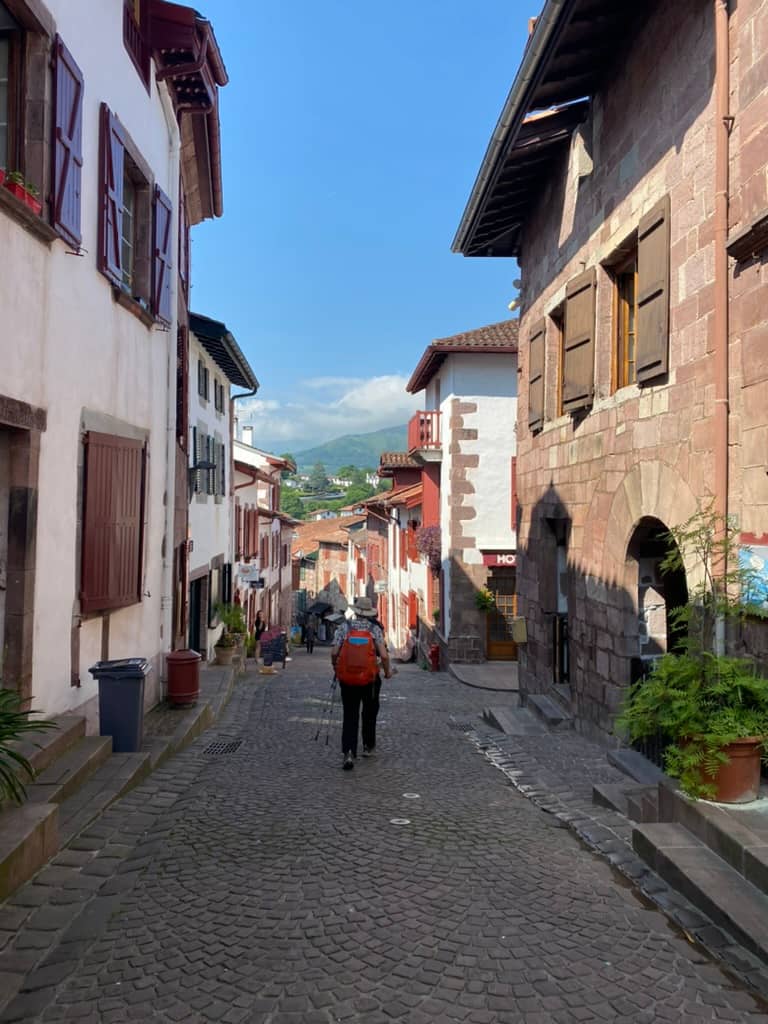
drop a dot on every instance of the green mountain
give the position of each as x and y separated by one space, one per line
359 450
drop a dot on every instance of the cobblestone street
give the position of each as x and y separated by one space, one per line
260 883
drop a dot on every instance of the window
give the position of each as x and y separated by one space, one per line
5 103
113 522
135 222
625 298
218 396
202 379
11 45
135 36
47 152
128 239
557 323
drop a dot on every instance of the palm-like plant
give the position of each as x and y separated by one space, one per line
14 767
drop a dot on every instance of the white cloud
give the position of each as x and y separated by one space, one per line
350 406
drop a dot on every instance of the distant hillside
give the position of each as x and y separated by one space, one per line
359 450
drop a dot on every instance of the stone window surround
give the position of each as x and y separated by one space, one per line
27 424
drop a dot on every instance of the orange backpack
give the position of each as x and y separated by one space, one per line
357 664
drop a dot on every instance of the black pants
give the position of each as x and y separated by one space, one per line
310 644
352 699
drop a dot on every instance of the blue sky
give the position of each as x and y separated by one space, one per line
352 133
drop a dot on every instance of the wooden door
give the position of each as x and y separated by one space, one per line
499 643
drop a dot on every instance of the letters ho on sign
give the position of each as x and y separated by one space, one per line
500 558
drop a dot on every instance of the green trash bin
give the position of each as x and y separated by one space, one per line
121 701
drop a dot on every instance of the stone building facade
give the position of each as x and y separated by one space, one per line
465 439
644 322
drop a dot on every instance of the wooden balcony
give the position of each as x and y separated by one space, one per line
424 435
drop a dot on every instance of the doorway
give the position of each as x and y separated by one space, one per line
499 645
659 594
198 615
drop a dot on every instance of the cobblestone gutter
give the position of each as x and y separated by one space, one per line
609 834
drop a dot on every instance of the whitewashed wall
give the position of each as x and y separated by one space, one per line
210 521
490 382
66 346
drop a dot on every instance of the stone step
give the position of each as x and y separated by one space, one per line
61 779
112 780
711 884
550 713
742 845
29 837
638 803
513 721
637 767
42 748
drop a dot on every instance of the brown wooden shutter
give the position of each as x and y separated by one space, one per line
112 522
653 293
111 163
579 343
67 147
161 256
536 377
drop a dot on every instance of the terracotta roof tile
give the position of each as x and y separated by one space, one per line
499 337
309 535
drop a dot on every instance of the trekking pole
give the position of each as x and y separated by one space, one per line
330 716
324 711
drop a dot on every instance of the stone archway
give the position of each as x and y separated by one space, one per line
659 594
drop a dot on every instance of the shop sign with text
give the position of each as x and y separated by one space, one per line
500 558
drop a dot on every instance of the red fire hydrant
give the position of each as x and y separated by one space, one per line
434 657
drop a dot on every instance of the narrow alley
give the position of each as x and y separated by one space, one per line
250 880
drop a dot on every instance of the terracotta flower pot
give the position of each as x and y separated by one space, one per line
224 655
34 204
738 782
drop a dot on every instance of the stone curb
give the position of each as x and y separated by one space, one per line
609 834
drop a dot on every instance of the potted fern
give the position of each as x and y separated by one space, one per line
710 706
228 644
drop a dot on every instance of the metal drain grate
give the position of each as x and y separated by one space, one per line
223 748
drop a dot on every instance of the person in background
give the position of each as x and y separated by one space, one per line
309 634
258 628
355 694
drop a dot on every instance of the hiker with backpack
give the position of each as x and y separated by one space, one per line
358 644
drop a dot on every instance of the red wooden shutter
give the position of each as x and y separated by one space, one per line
112 522
67 144
161 256
536 377
579 343
413 609
653 293
111 163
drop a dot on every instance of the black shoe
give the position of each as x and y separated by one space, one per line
369 751
349 763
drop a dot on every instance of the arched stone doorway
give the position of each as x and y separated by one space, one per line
659 594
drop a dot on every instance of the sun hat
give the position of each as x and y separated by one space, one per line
362 606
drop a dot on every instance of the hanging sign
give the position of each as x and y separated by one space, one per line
500 558
248 571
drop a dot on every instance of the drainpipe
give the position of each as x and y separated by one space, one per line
722 132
